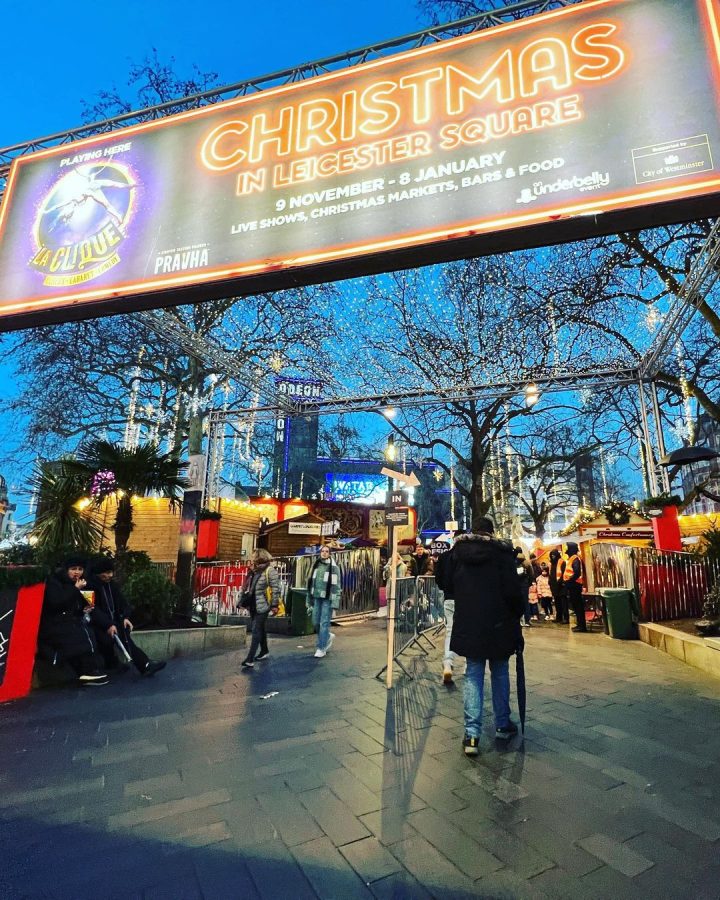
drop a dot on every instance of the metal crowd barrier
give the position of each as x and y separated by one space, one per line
673 585
218 586
668 585
359 577
419 617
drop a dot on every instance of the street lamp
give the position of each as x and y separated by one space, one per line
532 395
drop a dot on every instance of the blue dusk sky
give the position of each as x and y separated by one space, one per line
57 54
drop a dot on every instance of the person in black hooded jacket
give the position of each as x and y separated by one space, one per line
65 633
489 601
110 619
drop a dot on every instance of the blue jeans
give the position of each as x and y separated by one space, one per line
474 684
322 615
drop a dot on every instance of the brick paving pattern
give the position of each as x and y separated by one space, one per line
199 784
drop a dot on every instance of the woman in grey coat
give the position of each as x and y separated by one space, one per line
265 588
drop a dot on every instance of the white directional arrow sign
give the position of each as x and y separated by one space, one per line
410 480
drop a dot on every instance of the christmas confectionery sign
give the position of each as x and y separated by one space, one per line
602 106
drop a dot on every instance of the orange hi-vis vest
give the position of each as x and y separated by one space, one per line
568 573
559 569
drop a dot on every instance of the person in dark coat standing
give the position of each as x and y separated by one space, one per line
420 562
489 601
65 633
111 617
527 577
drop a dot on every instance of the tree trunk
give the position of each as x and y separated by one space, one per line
123 525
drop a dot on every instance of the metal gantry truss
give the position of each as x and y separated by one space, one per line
344 60
166 324
700 281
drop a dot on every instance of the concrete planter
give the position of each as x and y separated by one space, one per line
171 642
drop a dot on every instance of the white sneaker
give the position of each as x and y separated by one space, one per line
320 653
330 642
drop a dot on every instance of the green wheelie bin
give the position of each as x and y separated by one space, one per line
621 612
300 615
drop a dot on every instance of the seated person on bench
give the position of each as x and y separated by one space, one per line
65 634
110 618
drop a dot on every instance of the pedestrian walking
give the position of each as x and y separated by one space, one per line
264 590
489 601
442 579
323 592
400 567
525 574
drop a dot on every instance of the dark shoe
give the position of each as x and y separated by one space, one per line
247 664
470 745
262 656
579 630
506 732
152 667
95 678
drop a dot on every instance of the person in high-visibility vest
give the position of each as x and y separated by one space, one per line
556 586
573 580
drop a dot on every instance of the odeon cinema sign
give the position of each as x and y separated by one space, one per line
522 134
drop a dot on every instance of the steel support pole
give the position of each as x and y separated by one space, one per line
664 474
391 606
647 442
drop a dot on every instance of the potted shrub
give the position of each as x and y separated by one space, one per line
710 623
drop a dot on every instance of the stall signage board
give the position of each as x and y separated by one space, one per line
305 527
396 498
396 516
627 534
602 106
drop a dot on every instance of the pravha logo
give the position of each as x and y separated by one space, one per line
82 222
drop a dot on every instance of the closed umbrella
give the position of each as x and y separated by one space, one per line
520 684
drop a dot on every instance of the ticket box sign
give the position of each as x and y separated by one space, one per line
605 106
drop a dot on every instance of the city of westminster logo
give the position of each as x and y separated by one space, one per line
82 222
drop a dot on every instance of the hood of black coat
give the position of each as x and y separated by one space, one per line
480 549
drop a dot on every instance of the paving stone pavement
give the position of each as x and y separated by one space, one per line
306 778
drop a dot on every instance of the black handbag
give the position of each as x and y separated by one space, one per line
247 601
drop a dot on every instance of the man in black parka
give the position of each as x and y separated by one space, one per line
489 601
110 617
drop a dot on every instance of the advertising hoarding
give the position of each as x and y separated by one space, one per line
605 106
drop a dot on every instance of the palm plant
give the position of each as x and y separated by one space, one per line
111 469
59 523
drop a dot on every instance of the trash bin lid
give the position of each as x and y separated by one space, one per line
613 592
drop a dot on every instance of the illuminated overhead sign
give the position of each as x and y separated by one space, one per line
604 106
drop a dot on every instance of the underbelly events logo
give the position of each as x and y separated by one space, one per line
82 222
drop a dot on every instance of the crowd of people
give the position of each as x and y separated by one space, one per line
491 592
